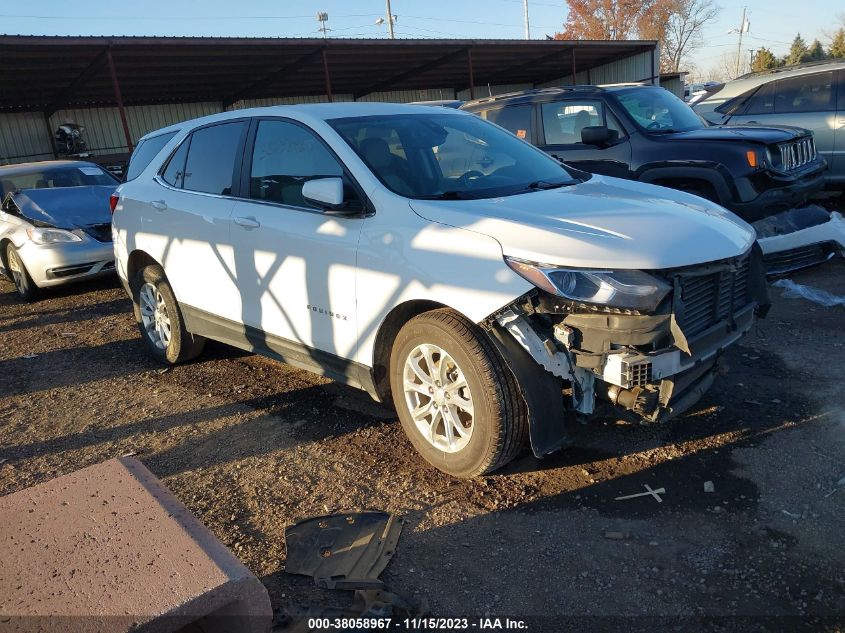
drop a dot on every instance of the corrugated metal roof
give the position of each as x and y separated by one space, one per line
51 73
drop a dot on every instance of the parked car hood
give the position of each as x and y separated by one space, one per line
742 133
65 207
601 223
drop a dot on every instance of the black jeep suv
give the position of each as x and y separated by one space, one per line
646 133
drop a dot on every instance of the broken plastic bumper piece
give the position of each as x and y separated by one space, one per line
343 551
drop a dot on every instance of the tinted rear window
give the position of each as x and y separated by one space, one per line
145 152
211 158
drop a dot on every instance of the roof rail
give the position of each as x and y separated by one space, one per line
539 91
780 69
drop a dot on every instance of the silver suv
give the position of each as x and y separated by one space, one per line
810 96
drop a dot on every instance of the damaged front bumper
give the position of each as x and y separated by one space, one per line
799 238
579 361
56 264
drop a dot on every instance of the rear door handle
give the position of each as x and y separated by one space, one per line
248 223
159 205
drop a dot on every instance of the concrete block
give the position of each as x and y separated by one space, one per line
109 549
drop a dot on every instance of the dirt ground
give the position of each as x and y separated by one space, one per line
251 446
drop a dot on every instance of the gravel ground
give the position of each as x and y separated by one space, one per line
251 446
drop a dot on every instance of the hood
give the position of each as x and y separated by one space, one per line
602 223
742 133
66 207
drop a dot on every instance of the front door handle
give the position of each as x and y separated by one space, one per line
248 223
159 205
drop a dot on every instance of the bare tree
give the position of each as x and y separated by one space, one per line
682 31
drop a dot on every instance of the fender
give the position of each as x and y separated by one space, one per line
711 175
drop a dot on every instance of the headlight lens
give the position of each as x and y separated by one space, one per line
625 289
52 236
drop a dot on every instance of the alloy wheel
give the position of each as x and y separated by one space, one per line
154 316
438 398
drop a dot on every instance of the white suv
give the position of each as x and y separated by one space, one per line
431 257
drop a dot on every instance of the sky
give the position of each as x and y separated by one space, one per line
774 23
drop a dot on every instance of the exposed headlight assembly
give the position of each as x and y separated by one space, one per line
52 236
624 289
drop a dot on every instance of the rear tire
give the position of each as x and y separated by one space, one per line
27 290
160 319
458 402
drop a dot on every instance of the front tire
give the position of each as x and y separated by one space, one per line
458 402
26 288
160 320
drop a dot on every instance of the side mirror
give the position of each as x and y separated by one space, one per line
325 193
598 135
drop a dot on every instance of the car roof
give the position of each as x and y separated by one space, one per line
310 111
537 94
746 82
26 168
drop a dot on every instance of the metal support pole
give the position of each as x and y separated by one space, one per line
327 76
116 85
50 135
574 70
471 78
527 25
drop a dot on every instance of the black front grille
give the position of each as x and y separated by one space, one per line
100 232
706 298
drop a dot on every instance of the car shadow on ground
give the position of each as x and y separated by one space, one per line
720 540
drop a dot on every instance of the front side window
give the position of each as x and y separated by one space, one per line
564 120
807 93
762 101
455 156
658 110
212 156
146 151
285 156
515 119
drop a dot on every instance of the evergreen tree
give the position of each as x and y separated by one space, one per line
764 60
837 45
798 52
816 52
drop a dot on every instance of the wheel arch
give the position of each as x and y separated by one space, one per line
137 261
4 246
667 176
385 336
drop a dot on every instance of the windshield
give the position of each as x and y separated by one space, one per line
659 110
449 156
81 175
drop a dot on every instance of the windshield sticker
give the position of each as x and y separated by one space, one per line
521 133
91 171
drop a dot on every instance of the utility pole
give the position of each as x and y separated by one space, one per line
322 18
390 20
527 25
743 28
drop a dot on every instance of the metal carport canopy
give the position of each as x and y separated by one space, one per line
46 73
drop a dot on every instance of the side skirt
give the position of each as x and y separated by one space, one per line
293 353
